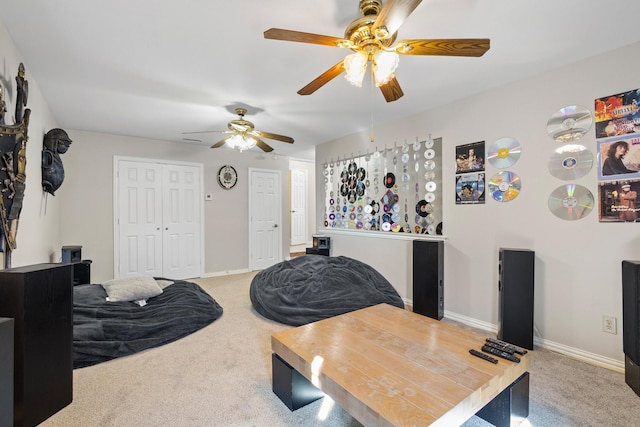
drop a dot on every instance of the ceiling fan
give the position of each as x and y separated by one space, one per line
373 39
243 135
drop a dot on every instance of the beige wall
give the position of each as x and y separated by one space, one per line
578 263
38 238
88 195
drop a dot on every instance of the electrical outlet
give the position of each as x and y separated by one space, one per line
609 324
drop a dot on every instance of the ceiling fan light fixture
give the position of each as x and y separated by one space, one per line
383 66
355 66
241 142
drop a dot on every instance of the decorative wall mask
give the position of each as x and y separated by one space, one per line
56 142
13 162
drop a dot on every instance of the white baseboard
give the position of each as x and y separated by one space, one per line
575 353
225 273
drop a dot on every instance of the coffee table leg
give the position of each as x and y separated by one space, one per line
510 407
290 386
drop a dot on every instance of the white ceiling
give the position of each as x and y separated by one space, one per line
154 69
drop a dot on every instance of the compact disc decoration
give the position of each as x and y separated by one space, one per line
504 186
569 123
571 202
570 161
503 152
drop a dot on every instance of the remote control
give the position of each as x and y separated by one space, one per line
483 356
499 353
504 348
515 348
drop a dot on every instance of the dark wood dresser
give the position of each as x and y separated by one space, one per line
40 300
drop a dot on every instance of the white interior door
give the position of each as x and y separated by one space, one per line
181 221
298 207
139 219
265 230
158 220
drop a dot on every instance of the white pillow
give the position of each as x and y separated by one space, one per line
164 283
131 289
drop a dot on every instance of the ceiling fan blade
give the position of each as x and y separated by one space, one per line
392 90
393 14
192 139
443 47
323 79
297 36
206 131
263 145
219 143
275 136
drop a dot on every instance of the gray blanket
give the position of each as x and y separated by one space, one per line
316 287
106 330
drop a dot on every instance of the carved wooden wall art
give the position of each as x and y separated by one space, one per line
13 162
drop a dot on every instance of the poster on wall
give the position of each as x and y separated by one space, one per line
470 157
619 158
618 150
470 176
618 114
470 188
618 201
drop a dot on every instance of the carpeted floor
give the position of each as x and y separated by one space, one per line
221 376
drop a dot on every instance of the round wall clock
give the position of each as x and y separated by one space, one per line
227 177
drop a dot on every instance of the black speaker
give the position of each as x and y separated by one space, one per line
428 278
71 254
322 242
631 322
515 292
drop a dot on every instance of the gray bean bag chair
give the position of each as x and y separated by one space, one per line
316 287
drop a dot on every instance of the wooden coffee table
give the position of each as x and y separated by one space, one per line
388 366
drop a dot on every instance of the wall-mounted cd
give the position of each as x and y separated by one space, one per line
429 197
503 152
570 161
569 123
429 142
429 165
504 186
430 186
571 202
429 153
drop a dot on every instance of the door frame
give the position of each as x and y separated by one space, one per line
251 171
116 202
305 196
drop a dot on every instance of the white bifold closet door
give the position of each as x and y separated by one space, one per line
158 219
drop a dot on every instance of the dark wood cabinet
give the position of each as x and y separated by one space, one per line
6 371
40 300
